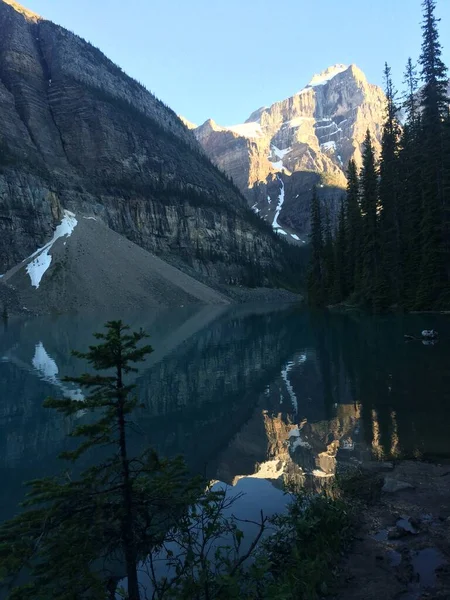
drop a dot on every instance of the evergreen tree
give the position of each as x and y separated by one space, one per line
411 189
410 207
353 229
370 246
316 272
411 101
340 256
391 268
75 529
328 258
118 351
434 100
446 190
397 216
434 103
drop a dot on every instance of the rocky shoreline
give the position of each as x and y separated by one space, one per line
401 546
11 304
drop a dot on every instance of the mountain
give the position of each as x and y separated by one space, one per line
80 255
281 151
78 135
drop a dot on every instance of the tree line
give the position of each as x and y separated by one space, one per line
391 243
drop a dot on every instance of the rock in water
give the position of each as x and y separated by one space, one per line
430 334
391 486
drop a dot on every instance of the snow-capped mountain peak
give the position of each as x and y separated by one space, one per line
307 139
325 76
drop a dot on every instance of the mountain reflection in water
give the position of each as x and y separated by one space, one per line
242 392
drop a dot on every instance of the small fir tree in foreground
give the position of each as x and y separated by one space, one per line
76 533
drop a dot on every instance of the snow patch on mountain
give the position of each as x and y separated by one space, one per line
297 121
327 75
37 268
275 223
248 130
280 153
328 146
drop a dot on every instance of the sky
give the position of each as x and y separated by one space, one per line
223 59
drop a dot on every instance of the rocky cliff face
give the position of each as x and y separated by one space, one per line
76 133
316 131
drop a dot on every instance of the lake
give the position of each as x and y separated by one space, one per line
252 396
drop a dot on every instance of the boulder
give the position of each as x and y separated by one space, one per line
391 485
430 334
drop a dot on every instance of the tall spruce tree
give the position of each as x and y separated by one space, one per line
434 103
446 190
370 244
411 102
397 218
328 258
316 272
391 267
118 351
353 230
340 291
77 529
411 188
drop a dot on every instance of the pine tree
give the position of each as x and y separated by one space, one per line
328 258
370 246
434 103
446 189
116 511
434 100
353 229
372 283
118 351
411 189
391 268
411 102
340 292
410 207
316 272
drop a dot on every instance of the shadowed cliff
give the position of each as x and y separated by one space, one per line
78 134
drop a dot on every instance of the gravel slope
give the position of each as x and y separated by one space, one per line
96 268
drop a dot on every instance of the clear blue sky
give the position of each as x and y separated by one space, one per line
225 58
